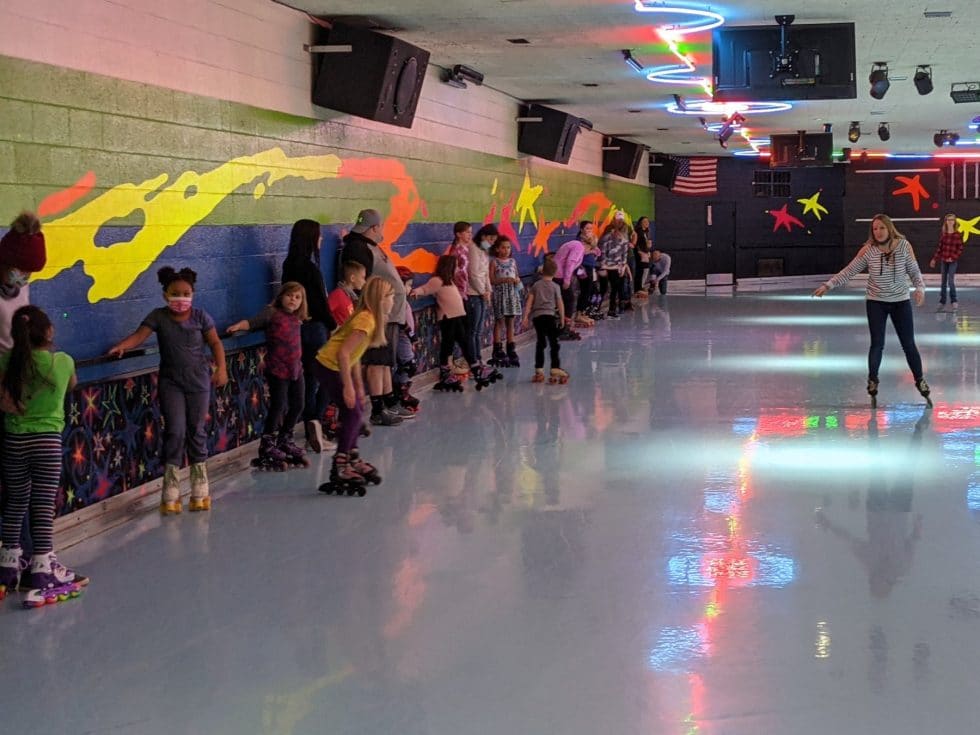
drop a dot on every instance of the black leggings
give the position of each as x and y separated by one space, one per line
615 290
901 314
546 327
585 285
453 332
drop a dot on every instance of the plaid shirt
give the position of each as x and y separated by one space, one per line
950 247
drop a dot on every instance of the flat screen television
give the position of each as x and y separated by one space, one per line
799 149
750 63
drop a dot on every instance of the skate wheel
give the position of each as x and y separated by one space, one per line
874 401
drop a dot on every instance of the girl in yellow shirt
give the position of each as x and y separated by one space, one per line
338 368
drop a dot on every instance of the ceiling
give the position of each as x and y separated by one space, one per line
573 43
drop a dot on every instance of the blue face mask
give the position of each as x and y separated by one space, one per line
485 244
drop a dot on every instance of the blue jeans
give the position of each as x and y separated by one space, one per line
476 311
184 423
313 336
901 314
949 274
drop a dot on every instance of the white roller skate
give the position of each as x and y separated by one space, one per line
170 495
558 376
200 489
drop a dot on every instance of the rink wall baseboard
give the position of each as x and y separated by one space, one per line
111 468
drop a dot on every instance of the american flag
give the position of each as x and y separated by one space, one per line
696 176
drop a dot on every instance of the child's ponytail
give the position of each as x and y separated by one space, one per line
374 291
29 330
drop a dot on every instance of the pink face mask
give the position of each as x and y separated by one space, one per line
179 304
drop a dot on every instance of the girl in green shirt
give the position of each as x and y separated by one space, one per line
33 384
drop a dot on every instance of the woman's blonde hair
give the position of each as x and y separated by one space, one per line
373 293
289 287
893 233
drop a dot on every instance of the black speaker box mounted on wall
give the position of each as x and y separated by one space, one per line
663 171
622 162
380 79
552 138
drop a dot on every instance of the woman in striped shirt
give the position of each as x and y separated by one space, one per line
890 262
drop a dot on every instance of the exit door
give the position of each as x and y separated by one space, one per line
719 244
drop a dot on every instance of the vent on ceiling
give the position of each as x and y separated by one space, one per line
518 41
938 14
634 110
589 84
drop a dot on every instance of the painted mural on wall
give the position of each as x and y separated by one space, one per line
123 191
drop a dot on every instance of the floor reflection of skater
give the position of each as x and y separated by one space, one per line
892 530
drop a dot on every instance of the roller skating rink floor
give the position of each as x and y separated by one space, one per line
707 530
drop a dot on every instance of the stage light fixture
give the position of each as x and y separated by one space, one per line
879 80
923 78
883 132
964 92
854 132
629 59
945 136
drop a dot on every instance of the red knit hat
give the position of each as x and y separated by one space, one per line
404 273
23 245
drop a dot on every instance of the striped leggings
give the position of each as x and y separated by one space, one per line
31 473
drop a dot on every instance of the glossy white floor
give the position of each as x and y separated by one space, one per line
706 531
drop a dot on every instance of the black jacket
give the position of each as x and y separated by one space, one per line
357 248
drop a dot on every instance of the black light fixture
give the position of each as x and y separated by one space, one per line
629 59
460 74
828 127
945 136
883 132
879 79
854 132
923 78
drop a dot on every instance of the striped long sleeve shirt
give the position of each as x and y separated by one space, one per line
888 274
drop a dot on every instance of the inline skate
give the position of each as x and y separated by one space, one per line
499 357
365 469
200 488
558 376
512 359
48 581
923 387
482 377
294 454
448 382
567 334
343 479
271 456
538 376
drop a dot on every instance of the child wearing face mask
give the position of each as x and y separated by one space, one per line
185 383
281 320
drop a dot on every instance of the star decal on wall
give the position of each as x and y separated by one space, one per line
913 187
968 227
813 204
782 218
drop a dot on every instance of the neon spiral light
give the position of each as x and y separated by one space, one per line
703 20
707 107
672 34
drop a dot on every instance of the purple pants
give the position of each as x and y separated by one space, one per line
349 419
